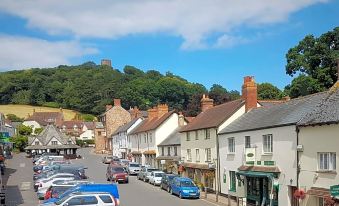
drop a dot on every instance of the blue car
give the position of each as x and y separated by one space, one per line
110 188
184 188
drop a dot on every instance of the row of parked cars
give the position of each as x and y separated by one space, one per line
59 182
181 186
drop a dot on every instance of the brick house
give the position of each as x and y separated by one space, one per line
112 119
99 137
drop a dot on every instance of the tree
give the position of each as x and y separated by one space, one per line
14 118
20 142
24 130
269 91
87 117
315 58
38 130
303 85
219 94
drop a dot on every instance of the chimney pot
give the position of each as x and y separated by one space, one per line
206 103
117 102
249 93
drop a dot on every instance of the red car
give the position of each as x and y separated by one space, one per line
117 173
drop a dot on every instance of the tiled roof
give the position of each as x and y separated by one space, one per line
43 118
71 123
326 112
214 116
125 127
172 139
286 113
90 125
152 124
267 103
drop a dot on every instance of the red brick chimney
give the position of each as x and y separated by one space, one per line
135 112
162 109
108 107
249 93
152 113
206 103
117 102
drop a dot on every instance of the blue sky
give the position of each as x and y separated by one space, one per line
218 41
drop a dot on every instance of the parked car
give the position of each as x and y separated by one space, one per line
124 162
42 182
145 172
116 174
42 186
107 159
115 161
86 198
184 187
155 177
133 168
110 188
166 181
60 186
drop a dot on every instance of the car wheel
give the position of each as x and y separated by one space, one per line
180 195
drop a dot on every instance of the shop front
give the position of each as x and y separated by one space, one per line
201 174
168 164
259 187
136 156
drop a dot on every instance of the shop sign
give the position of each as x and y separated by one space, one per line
162 162
334 191
250 154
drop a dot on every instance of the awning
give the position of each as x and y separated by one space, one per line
197 166
173 158
255 174
318 192
150 152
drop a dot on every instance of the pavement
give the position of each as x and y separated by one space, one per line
20 190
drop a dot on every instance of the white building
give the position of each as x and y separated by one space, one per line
32 124
151 132
258 153
121 142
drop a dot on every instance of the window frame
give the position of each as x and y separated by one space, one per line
197 155
175 151
188 136
331 158
269 143
207 134
189 155
208 155
168 151
231 145
247 142
232 182
196 135
162 151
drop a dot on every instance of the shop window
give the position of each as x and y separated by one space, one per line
233 181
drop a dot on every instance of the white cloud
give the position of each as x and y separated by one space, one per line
22 52
226 41
193 20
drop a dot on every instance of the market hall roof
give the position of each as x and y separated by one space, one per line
287 113
214 116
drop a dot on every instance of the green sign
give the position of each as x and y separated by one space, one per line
334 191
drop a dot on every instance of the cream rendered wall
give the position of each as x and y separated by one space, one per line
317 139
54 139
88 133
165 129
284 154
36 140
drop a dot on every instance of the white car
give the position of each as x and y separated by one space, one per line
85 198
155 178
42 182
44 185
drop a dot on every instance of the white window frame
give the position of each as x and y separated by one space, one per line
189 155
196 135
327 161
246 142
207 134
188 136
231 145
208 155
267 144
197 155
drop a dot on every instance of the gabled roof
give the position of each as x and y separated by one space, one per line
326 112
152 124
125 127
90 125
71 123
44 118
287 113
214 116
50 132
172 139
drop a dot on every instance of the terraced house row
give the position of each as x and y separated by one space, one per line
261 152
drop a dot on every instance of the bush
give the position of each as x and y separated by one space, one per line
14 118
83 143
20 142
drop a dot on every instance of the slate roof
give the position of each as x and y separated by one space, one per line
287 113
152 124
125 127
172 139
214 116
99 125
326 112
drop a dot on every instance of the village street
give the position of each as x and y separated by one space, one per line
20 189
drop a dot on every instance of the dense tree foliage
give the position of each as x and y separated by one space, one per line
14 118
24 130
269 91
315 59
89 87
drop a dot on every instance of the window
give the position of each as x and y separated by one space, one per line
99 133
207 134
231 145
54 142
247 142
175 151
208 154
326 161
232 181
36 142
150 137
106 199
321 201
189 155
168 151
196 135
268 143
145 138
85 200
188 138
197 155
162 151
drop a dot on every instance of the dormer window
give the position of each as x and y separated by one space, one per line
36 142
64 127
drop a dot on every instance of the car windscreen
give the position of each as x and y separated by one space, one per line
187 183
118 169
134 165
151 169
170 177
158 174
57 191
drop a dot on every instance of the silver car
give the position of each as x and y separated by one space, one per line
133 168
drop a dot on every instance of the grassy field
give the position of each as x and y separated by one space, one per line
22 111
